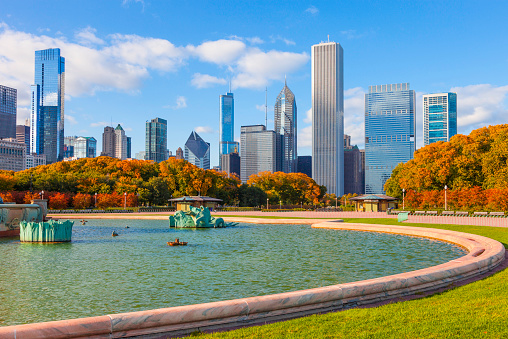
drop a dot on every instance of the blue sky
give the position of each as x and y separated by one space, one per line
129 61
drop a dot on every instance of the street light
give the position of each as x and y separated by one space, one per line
403 198
445 200
280 204
267 204
95 199
335 202
125 200
42 195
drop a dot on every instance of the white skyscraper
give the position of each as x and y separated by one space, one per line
328 116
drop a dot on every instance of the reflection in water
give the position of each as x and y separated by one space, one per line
98 274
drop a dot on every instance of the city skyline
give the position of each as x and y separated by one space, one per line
162 64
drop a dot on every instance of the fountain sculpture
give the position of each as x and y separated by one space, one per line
196 218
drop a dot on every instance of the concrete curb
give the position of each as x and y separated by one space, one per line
484 256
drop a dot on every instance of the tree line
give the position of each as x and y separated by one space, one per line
474 169
75 183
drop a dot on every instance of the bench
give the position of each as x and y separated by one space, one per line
432 212
448 213
419 212
462 214
496 214
480 214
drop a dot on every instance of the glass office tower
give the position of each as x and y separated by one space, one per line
389 132
285 130
8 106
257 151
439 117
328 116
47 107
197 151
156 142
227 143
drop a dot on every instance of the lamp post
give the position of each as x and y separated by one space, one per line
403 198
125 200
95 199
280 204
335 202
445 200
267 204
42 195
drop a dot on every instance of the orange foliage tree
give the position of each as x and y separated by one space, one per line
82 201
58 201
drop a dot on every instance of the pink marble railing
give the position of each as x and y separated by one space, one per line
484 255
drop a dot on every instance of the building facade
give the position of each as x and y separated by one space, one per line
439 117
305 165
129 148
80 147
231 163
156 142
285 118
120 143
257 147
47 106
328 116
8 106
12 155
197 151
108 142
227 143
23 135
34 160
354 175
179 153
389 132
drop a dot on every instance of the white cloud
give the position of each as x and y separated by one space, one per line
312 10
181 102
278 37
100 124
305 137
70 119
308 116
87 37
204 80
221 52
204 129
121 62
256 68
354 115
255 40
480 105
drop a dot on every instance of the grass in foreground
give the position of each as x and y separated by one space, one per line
476 310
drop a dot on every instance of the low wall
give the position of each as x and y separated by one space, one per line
484 255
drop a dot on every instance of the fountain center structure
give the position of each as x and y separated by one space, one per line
196 218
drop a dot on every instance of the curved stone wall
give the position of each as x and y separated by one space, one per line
484 255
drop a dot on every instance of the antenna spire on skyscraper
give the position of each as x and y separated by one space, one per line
266 107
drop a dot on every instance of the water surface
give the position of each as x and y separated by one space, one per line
98 274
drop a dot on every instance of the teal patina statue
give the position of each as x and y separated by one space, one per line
196 218
51 231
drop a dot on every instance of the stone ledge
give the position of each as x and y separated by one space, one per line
484 255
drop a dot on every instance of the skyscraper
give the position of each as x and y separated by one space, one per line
354 175
156 142
285 130
197 151
80 147
439 117
23 135
8 106
179 153
108 142
120 143
389 132
227 143
257 151
47 109
328 116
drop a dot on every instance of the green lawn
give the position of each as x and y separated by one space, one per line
476 310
